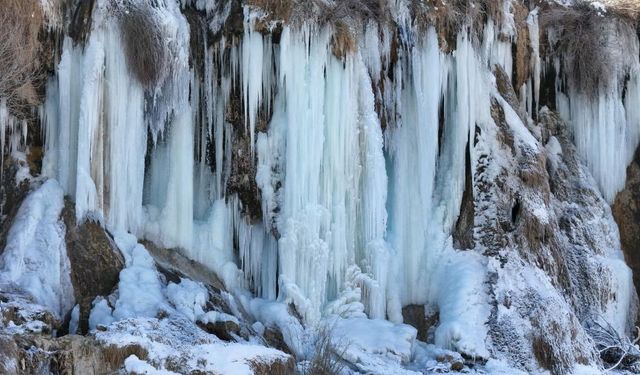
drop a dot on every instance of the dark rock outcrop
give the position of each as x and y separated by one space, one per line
95 261
421 319
626 211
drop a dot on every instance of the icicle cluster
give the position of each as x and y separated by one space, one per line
353 218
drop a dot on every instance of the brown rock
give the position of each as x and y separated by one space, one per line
274 339
417 316
626 211
11 197
225 330
95 262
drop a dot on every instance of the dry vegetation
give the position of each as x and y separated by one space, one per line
116 355
327 356
624 8
341 15
591 44
20 24
277 9
144 43
618 352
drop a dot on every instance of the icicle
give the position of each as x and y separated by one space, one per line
253 55
534 39
375 253
413 151
90 145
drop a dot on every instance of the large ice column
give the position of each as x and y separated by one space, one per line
61 120
126 145
169 205
373 253
303 222
95 132
412 156
253 59
466 104
321 168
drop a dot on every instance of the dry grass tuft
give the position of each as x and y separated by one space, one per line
343 13
591 44
116 355
144 43
327 357
276 9
20 24
354 9
273 367
623 8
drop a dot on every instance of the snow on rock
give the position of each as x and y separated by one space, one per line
35 257
177 343
135 365
277 315
140 290
372 345
463 304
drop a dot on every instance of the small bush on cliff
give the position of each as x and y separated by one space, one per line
144 43
592 45
20 23
327 356
624 8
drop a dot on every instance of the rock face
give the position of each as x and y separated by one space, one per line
533 198
12 194
95 261
626 210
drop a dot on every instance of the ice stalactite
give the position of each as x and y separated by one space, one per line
93 146
413 153
13 134
533 98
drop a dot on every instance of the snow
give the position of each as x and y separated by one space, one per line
140 290
75 318
101 313
276 315
176 341
188 297
371 343
35 255
135 365
463 304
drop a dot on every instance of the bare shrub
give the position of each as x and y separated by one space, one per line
276 9
359 9
624 8
20 23
273 367
619 352
115 356
144 43
327 356
591 45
